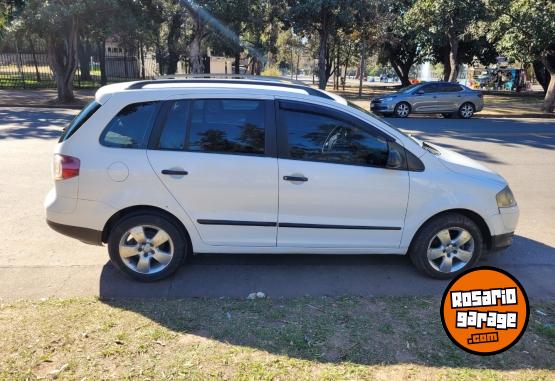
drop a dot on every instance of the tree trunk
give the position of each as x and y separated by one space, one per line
237 63
62 57
322 55
402 71
174 34
142 52
101 45
84 54
362 65
297 69
446 62
35 62
347 59
292 63
453 57
549 100
195 56
542 75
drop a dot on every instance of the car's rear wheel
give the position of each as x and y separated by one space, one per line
466 110
446 246
402 110
148 247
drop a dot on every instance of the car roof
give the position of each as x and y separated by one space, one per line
168 85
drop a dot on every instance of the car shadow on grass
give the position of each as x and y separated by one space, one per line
360 309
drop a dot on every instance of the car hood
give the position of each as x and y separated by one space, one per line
393 95
464 165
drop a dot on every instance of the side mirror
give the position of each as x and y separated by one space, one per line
394 159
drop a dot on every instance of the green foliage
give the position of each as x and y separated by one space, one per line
524 29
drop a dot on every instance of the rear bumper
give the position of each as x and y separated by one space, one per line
502 241
90 236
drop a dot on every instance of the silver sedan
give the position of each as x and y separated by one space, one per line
446 98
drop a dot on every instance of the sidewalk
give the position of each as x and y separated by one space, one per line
496 106
42 98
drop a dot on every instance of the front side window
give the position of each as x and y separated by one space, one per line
431 88
129 127
227 126
316 137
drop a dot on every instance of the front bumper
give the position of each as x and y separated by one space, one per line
502 241
379 106
90 236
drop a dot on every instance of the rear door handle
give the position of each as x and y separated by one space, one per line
295 178
174 172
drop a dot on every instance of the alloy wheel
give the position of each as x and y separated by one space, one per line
467 110
450 250
402 110
146 249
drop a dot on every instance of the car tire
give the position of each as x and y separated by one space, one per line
148 246
466 111
446 246
402 110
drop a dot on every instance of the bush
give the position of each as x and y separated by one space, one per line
271 71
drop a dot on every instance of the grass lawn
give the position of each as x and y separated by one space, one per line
265 339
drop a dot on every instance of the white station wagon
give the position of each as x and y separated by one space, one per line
162 169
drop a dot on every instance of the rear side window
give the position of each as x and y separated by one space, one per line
173 134
129 127
450 88
79 120
227 126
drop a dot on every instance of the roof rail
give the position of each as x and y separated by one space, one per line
261 78
237 79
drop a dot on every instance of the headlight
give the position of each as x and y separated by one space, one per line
388 99
505 198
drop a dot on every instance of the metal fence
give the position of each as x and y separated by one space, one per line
24 64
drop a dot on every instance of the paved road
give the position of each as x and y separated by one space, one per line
37 262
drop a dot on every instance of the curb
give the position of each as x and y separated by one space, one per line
521 116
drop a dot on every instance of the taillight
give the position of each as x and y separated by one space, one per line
480 95
65 167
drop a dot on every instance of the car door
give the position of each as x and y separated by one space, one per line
216 157
454 96
334 189
425 99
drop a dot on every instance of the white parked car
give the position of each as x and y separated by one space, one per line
159 170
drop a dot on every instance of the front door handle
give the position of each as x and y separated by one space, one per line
295 178
174 172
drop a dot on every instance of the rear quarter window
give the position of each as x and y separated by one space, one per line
79 120
129 128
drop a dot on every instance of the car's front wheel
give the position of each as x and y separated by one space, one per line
466 110
402 110
148 247
446 246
